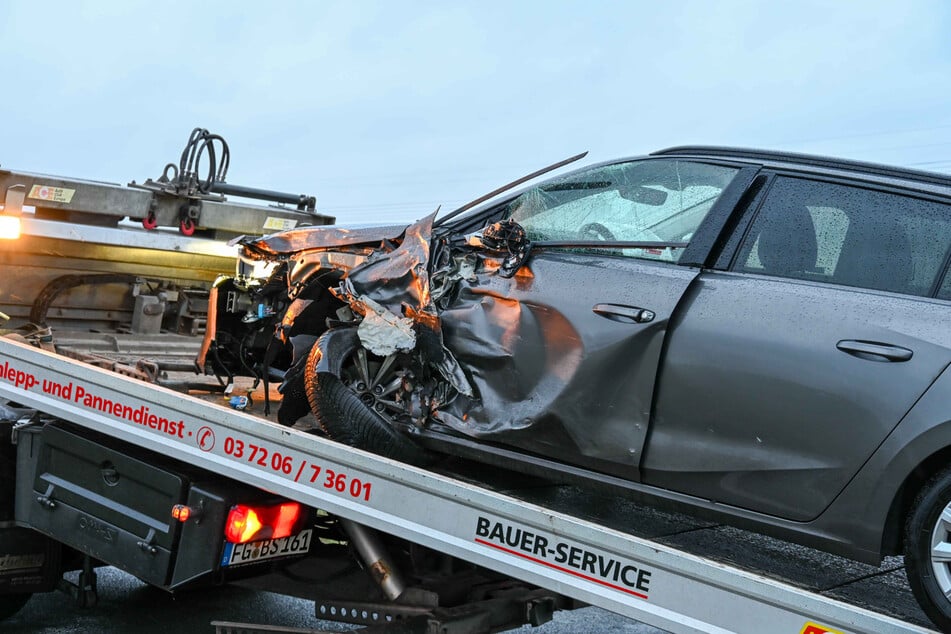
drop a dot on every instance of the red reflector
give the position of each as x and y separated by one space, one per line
287 515
181 512
252 523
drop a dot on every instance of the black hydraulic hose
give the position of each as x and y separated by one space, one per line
218 363
225 163
212 161
188 154
199 142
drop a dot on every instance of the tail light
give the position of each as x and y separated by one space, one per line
253 523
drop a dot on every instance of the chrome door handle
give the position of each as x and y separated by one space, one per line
624 314
874 351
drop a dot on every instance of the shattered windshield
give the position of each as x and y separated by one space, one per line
657 200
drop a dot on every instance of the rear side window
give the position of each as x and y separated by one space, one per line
826 232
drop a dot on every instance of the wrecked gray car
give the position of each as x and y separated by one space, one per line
755 336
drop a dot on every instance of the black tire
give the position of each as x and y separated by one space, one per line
294 404
10 604
923 529
344 417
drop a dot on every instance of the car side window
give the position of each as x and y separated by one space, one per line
657 200
828 232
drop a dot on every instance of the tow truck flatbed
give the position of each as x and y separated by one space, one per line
647 580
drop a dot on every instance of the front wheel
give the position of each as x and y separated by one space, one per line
363 402
928 549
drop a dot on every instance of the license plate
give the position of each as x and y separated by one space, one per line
253 552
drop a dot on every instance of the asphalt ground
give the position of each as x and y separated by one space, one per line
128 605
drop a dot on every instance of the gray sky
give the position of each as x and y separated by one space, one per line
387 109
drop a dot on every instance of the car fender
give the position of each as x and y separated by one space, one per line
923 433
334 346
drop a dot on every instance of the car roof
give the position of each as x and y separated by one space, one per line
816 165
920 180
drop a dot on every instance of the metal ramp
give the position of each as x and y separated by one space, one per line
635 577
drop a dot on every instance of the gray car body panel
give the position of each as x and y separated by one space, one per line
755 397
862 509
545 364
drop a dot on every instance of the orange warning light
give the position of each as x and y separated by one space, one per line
181 512
9 227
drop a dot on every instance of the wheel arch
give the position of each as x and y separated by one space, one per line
334 345
893 536
875 504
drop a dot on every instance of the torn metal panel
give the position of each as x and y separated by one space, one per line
545 369
400 277
383 333
296 240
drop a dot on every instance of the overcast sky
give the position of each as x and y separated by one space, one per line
384 110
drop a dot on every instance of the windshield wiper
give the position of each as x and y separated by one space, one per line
515 183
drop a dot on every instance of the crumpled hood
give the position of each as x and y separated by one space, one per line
320 237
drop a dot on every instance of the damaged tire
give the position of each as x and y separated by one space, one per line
351 391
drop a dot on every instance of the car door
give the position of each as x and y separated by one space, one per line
563 355
786 371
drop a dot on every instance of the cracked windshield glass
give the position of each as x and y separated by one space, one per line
662 202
